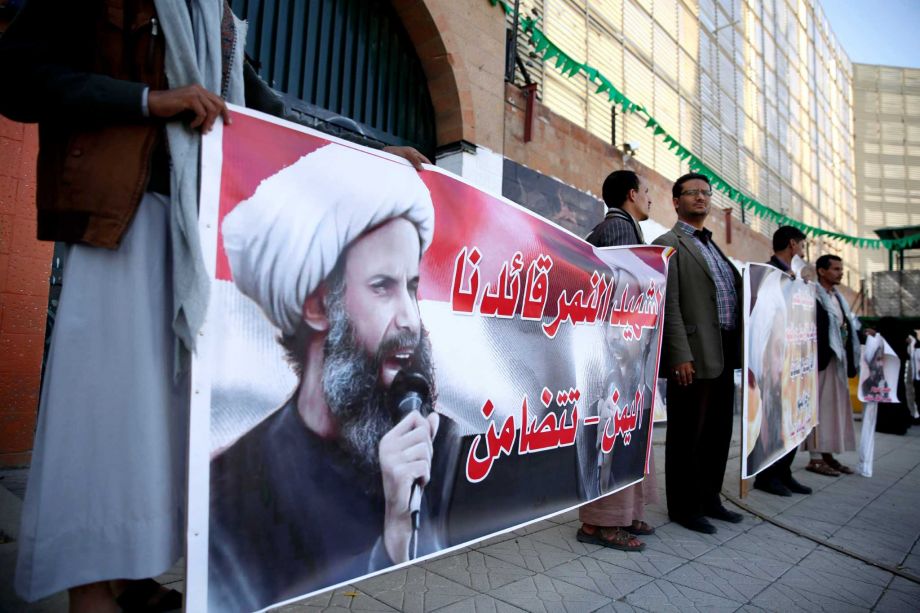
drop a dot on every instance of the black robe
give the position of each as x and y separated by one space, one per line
290 514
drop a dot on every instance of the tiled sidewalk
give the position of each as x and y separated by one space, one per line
752 566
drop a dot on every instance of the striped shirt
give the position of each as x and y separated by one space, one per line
721 269
618 228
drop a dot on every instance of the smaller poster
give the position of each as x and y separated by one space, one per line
780 366
878 371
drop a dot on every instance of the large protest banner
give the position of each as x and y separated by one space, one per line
780 404
354 408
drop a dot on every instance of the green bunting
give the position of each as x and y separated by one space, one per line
570 67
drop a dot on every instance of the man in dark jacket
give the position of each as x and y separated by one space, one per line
700 351
777 479
626 196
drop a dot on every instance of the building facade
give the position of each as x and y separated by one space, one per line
886 104
759 89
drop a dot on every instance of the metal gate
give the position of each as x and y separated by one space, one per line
344 65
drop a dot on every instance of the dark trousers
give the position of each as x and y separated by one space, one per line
781 470
699 434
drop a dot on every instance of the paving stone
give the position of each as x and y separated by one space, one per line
649 562
903 517
784 598
597 576
542 594
808 524
415 589
846 590
845 567
618 606
348 598
750 564
663 596
677 541
837 509
772 542
477 570
894 601
718 581
911 564
875 545
529 553
482 603
900 584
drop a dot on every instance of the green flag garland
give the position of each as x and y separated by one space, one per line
570 67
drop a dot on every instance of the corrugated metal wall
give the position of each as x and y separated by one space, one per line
343 58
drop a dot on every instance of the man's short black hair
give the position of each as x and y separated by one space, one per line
784 234
824 262
616 187
678 185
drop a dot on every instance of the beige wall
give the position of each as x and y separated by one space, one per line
462 49
886 104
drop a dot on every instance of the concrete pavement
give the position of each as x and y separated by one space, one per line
752 566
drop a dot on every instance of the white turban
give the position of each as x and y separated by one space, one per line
770 301
285 240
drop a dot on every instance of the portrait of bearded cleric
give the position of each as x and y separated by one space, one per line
355 374
317 492
768 365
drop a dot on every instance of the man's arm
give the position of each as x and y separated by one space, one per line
38 83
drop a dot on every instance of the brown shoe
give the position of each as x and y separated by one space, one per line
822 468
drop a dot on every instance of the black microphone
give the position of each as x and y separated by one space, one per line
411 391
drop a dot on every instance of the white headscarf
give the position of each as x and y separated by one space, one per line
285 240
770 300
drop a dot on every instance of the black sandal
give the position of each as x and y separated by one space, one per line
148 596
614 538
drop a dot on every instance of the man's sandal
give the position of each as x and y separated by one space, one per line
640 528
822 468
614 538
842 468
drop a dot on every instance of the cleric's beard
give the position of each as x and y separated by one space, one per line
353 391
